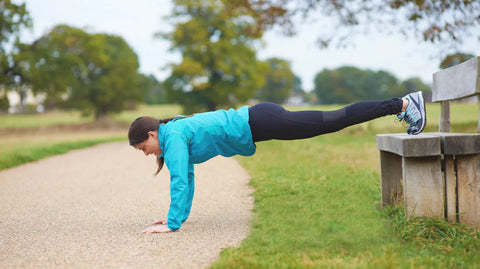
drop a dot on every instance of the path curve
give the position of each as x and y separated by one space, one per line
88 207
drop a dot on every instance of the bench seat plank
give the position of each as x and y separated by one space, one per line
410 145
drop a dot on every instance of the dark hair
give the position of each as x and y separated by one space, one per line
139 129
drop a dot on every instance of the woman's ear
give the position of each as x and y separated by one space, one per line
153 134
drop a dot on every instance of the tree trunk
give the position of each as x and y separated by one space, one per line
22 94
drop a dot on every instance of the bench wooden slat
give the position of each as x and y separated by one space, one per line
457 82
450 188
460 143
468 176
410 145
420 176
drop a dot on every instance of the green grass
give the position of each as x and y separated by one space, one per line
435 233
317 206
15 156
42 120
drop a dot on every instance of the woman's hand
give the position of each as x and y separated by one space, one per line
160 221
157 229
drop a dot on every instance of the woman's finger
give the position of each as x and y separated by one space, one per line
160 221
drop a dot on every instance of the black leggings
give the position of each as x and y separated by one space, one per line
271 121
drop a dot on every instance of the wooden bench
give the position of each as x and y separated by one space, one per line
437 174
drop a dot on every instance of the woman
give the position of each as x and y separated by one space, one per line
181 142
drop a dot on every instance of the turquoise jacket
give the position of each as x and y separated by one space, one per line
192 140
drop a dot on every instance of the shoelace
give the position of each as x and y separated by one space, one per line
406 120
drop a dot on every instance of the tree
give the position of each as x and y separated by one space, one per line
442 22
13 18
18 73
154 90
279 83
96 73
349 84
58 63
455 59
297 85
219 65
412 85
379 85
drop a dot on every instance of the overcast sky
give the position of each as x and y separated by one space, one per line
137 22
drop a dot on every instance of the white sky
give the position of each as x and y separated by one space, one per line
137 21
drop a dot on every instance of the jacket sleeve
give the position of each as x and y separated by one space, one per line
177 161
191 190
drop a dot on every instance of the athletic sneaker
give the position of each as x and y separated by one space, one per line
415 114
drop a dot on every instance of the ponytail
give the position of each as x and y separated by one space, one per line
160 162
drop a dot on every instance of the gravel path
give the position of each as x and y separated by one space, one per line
87 208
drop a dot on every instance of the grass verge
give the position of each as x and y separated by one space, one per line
317 206
14 157
433 233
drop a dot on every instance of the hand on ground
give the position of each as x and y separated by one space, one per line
160 221
157 229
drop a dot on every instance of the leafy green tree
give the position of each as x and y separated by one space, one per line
442 22
338 86
279 83
57 63
154 90
219 65
4 104
412 85
454 59
349 84
297 85
18 73
13 18
96 73
379 85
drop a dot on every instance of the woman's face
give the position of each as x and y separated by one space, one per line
151 145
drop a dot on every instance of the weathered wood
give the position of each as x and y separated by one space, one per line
423 187
459 143
444 124
409 145
391 173
457 82
450 189
478 125
468 176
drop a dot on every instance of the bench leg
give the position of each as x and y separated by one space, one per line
468 175
423 187
391 173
